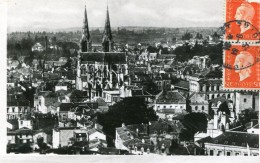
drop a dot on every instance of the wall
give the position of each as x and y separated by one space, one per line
228 148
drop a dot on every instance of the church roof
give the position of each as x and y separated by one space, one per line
105 57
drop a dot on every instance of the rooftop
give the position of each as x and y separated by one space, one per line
235 138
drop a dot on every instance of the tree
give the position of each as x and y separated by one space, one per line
193 123
131 110
151 49
247 115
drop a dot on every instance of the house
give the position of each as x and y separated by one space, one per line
202 61
25 123
163 81
95 133
128 139
173 100
96 144
44 100
62 86
145 138
246 100
20 136
62 136
17 106
233 143
111 97
199 102
63 113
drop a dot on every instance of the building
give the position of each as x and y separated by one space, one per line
199 102
104 70
173 100
233 143
17 106
61 136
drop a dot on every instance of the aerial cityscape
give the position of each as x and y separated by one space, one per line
125 90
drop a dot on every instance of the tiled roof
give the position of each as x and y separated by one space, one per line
181 84
171 97
237 139
108 57
93 130
17 100
50 101
211 81
23 130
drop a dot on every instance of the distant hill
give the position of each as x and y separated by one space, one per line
129 28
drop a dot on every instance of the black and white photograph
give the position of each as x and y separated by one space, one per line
123 77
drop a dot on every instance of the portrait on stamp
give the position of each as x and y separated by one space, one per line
243 63
246 13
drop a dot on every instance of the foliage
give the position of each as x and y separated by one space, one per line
247 115
186 52
132 110
193 123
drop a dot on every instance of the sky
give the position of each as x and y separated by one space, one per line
37 15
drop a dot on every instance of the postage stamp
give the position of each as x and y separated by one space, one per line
241 46
242 20
242 67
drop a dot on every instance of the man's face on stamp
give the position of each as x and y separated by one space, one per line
242 65
246 13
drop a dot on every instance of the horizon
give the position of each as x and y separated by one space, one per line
29 15
75 29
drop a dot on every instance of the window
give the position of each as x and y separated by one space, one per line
244 99
164 106
202 108
211 152
228 153
196 107
237 154
219 153
245 154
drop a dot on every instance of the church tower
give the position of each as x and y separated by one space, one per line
85 42
107 41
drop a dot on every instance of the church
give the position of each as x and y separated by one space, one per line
99 71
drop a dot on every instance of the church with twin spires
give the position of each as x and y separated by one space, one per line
98 71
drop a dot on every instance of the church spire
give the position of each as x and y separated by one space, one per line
107 35
85 27
85 40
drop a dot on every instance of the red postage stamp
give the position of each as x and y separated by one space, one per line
242 20
241 45
242 67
